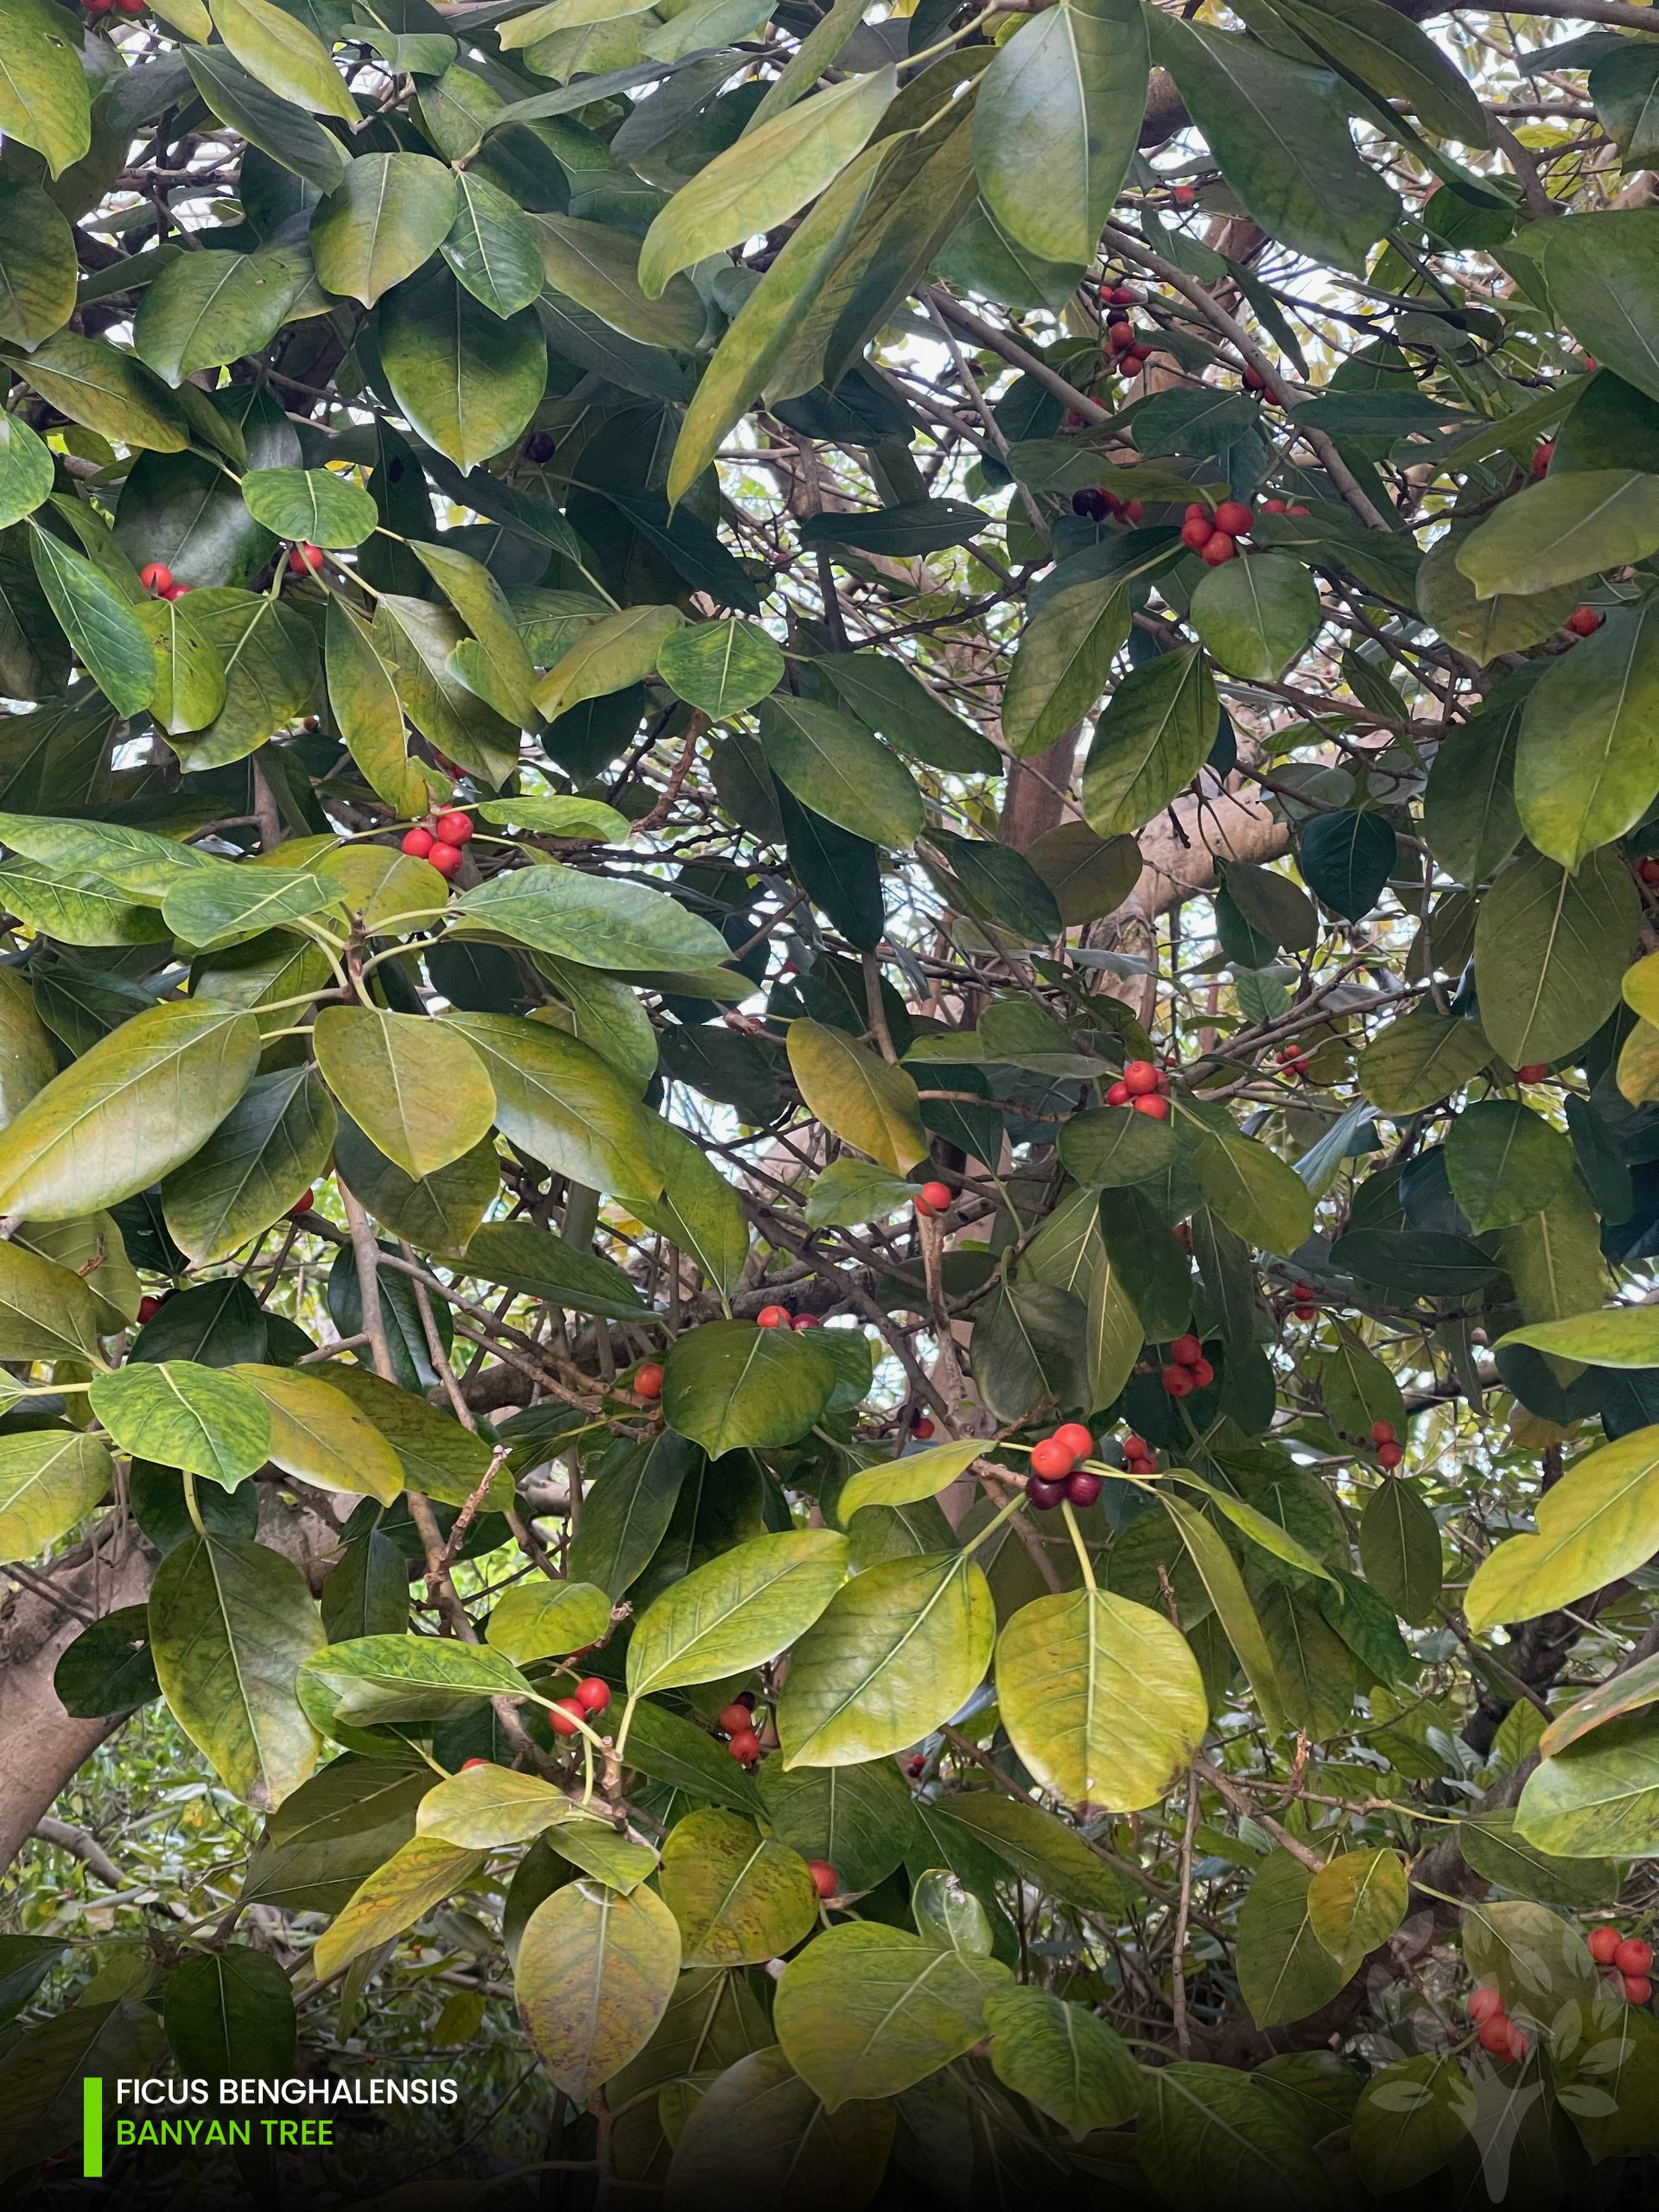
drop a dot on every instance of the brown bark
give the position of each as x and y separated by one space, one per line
40 1747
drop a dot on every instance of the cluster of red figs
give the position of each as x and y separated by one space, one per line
1055 1476
1141 1086
1125 351
1623 1959
1500 2035
736 1723
1096 504
592 1695
778 1317
156 577
1292 1060
1139 1457
1187 1369
440 844
1389 1450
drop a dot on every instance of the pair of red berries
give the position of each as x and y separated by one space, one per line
1188 1368
1389 1449
1499 2034
113 7
648 1381
1302 1294
1095 504
934 1197
1121 295
440 845
1213 535
592 1695
1276 507
736 1723
1139 1457
1534 1071
777 1317
1628 1958
1648 871
1584 621
1055 1474
156 577
1141 1086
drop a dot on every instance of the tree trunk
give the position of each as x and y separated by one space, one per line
40 1747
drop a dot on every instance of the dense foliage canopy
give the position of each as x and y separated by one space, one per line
752 749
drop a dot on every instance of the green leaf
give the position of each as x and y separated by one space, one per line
626 1511
484 1807
767 177
902 1481
1100 1698
185 1415
592 921
739 1898
190 684
418 1876
262 1159
755 2133
270 657
1278 129
278 50
385 219
1064 662
1153 739
1355 1902
1491 1844
95 383
1420 1058
892 703
721 667
48 1480
1258 616
738 1612
312 504
1113 1146
1400 1550
1389 54
47 1312
1599 1797
135 1106
542 1620
1284 1971
1614 1336
26 470
1567 526
38 271
208 309
593 1976
1504 1162
492 246
230 1625
1535 1960
675 1750
731 1385
230 2015
1586 767
1259 1197
865 2012
914 526
834 766
857 1819
1063 2059
467 381
363 699
374 1678
1597 1522
1040 1848
536 1261
242 99
899 1649
1602 273
866 1101
1411 2118
598 268
1225 1585
317 1433
45 98
1550 950
564 1105
211 908
1504 622
415 1087
99 624
1056 118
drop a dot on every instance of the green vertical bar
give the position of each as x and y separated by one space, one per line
91 2127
